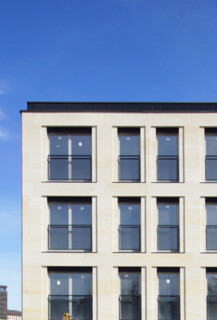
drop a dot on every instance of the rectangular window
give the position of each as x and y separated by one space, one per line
168 224
70 292
168 299
211 224
211 154
211 294
129 158
168 159
70 225
70 154
129 228
130 297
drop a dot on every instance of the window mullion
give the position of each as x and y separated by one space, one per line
70 295
70 227
70 157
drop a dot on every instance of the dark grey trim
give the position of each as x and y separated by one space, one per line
143 107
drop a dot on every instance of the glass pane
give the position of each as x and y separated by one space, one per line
167 214
59 238
81 169
81 284
167 169
211 214
59 283
81 238
167 144
58 144
57 306
129 308
82 308
130 283
129 144
168 283
129 169
212 283
58 168
211 238
129 214
211 169
58 213
211 144
129 238
168 308
81 213
167 238
81 145
212 310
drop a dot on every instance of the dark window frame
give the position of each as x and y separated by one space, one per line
129 201
210 298
169 201
210 201
209 158
70 201
175 297
70 158
129 157
135 298
166 157
69 271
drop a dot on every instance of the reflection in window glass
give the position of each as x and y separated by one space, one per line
129 144
211 154
211 228
167 161
129 229
211 144
211 295
168 299
59 144
70 292
130 305
168 225
81 145
70 226
129 158
130 283
70 155
167 144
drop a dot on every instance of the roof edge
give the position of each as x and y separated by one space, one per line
118 107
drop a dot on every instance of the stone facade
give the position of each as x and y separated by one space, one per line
192 192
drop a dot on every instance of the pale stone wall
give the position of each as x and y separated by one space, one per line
105 189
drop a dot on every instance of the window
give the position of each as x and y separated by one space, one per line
167 160
168 224
70 225
70 292
70 154
211 154
168 299
129 228
130 297
211 224
211 294
129 159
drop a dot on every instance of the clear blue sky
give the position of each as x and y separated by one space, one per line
93 50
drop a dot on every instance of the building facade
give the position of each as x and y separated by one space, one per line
119 211
3 302
14 315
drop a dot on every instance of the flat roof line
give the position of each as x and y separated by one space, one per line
142 107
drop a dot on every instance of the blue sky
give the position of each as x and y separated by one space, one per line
93 50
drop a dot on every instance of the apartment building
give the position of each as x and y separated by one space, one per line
119 211
14 315
3 302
